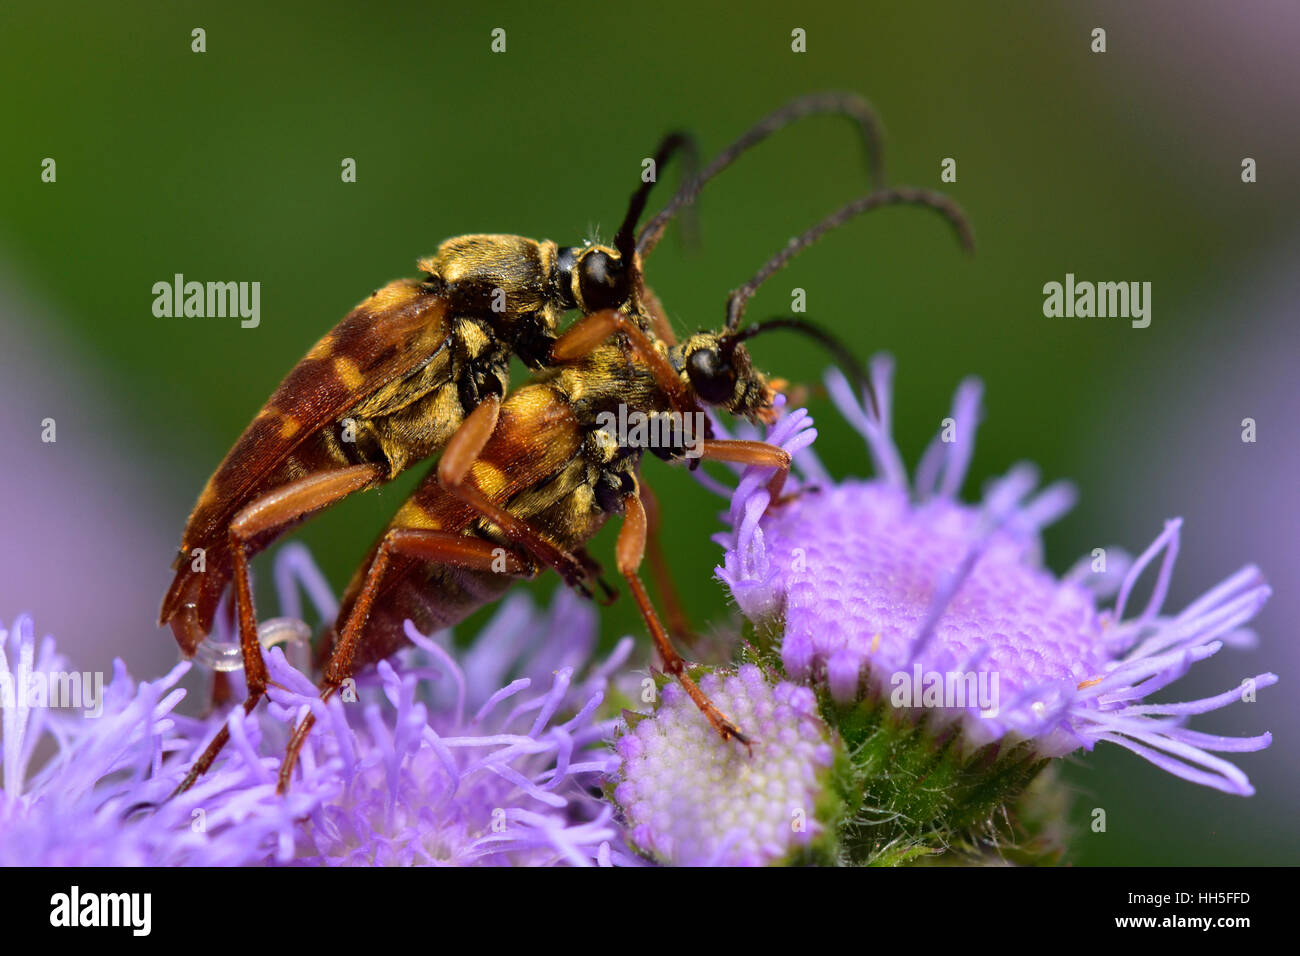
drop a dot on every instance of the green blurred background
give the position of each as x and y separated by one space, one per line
225 165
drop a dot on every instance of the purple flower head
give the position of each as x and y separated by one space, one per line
895 590
492 755
97 800
690 798
488 756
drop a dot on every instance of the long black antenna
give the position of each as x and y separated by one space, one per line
673 143
835 103
837 347
942 204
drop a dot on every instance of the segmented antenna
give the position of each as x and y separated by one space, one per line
673 143
848 105
940 203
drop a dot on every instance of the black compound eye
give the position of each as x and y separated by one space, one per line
603 281
712 376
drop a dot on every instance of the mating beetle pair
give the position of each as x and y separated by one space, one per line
523 480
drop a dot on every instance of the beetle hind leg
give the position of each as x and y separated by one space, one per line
268 513
422 544
631 551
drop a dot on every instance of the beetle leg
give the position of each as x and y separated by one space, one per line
592 330
659 323
423 544
267 513
609 593
758 453
630 551
454 467
678 625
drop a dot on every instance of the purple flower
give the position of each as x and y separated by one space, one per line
95 801
690 798
493 755
878 587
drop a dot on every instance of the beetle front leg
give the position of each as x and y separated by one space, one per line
591 331
758 453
